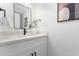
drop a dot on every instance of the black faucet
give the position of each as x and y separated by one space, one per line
25 31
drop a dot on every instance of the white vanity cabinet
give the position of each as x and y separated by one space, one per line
36 46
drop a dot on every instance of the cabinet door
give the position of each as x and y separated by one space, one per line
15 49
41 50
25 53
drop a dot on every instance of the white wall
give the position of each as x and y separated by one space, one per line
63 37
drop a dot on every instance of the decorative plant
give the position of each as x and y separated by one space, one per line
35 23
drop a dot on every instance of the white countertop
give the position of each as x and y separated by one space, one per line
15 39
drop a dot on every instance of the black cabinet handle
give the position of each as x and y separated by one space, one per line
31 54
35 53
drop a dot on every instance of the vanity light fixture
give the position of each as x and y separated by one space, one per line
4 11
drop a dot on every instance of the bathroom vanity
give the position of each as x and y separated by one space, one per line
15 44
27 45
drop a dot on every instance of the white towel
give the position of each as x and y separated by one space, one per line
4 21
4 24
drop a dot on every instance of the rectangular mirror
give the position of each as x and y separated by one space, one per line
22 16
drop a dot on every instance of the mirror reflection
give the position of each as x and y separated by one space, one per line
22 15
